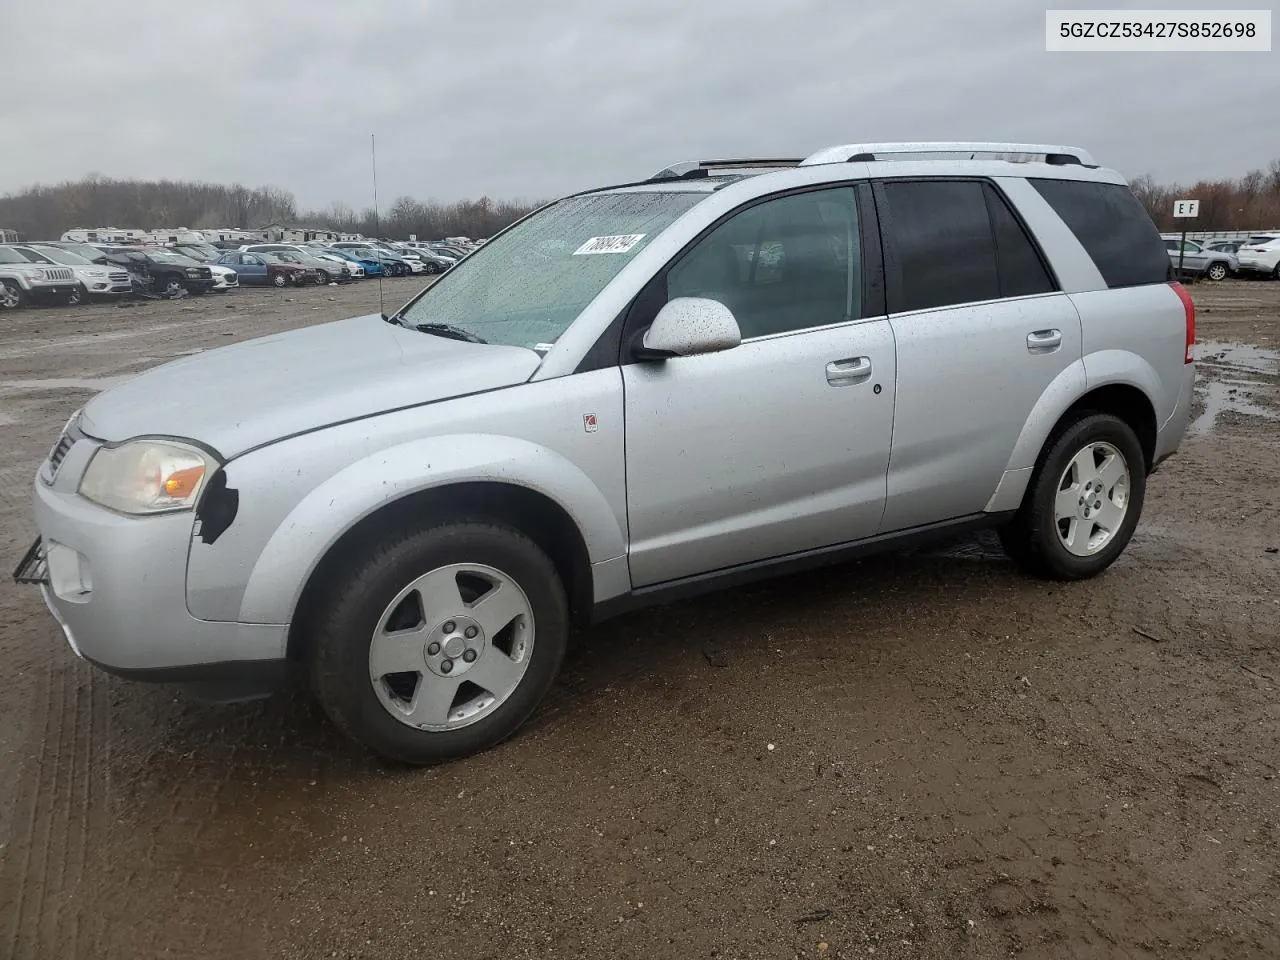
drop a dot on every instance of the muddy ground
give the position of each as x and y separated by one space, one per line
925 755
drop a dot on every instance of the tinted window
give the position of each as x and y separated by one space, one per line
1021 268
939 248
1113 226
784 264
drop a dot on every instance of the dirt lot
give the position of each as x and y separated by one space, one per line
927 755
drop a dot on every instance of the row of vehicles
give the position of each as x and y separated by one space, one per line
1257 255
72 272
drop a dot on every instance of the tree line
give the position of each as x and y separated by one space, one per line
41 212
45 212
1251 202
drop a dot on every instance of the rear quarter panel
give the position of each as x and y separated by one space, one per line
1135 336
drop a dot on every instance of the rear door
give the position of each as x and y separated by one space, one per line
981 331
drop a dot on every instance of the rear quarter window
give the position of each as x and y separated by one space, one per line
1113 227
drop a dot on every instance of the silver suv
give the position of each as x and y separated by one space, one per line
731 369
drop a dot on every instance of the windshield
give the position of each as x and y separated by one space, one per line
30 256
64 257
165 256
199 252
527 286
92 254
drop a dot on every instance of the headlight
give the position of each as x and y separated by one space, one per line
35 273
97 274
193 272
146 476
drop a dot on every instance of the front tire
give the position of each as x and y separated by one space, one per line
1083 502
439 642
76 296
11 296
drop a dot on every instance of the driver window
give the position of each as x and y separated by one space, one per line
781 265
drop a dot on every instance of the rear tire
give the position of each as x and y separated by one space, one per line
280 280
376 599
1217 271
1083 501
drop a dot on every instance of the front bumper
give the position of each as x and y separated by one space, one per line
117 587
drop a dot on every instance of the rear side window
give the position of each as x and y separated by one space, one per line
1022 269
1113 227
939 248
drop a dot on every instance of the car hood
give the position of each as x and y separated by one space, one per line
245 395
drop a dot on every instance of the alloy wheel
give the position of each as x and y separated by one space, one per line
451 647
1092 498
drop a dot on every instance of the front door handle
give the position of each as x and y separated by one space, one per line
1044 341
841 373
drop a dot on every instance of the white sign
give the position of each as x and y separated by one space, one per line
1186 208
413 237
1150 31
619 244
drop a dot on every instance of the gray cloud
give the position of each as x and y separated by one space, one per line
528 100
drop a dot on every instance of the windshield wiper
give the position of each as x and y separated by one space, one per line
450 331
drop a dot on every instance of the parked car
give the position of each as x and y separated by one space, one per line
160 271
1223 246
430 262
602 408
1198 261
371 265
1261 256
327 270
354 270
22 281
224 278
266 269
392 265
202 252
93 280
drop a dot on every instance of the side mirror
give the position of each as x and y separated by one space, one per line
688 326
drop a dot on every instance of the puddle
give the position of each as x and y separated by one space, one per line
1234 374
1237 356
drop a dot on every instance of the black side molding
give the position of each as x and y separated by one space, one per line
673 590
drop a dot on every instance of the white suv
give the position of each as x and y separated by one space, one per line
727 370
1260 256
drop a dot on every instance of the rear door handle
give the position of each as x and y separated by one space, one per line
1044 341
841 373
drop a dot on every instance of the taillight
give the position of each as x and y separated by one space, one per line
1189 306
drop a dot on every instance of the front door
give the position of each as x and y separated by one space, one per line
778 445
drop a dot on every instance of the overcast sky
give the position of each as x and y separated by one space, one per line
532 98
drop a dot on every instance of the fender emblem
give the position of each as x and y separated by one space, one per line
590 423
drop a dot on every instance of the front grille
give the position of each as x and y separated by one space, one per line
120 277
58 273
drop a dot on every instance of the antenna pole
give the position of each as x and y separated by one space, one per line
373 153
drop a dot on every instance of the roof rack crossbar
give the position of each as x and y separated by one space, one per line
690 169
865 152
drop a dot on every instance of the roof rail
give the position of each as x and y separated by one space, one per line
691 169
865 152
